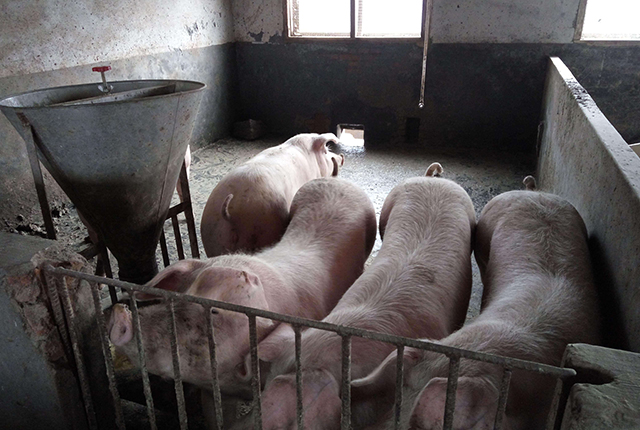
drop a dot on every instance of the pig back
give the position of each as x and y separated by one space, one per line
330 236
420 281
525 233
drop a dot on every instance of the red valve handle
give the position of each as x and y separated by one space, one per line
101 69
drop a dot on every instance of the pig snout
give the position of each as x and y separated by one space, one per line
475 408
119 326
320 401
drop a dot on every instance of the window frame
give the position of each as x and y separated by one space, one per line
577 35
352 38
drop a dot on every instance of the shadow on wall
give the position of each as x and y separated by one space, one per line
613 333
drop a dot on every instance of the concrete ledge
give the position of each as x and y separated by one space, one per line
585 160
613 405
38 388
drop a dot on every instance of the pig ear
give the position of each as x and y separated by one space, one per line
476 404
383 378
120 327
209 282
320 142
178 278
270 349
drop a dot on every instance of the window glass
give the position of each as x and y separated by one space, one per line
383 18
611 20
374 18
321 18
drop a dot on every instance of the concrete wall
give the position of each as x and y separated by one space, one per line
56 42
584 159
484 83
38 388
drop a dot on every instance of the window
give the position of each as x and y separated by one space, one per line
371 18
609 20
351 135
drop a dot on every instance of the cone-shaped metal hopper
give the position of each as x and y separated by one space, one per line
116 155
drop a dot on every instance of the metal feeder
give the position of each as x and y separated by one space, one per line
116 150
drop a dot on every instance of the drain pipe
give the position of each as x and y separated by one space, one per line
426 31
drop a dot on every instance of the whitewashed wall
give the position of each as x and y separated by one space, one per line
38 36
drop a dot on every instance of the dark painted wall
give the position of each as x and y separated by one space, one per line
485 95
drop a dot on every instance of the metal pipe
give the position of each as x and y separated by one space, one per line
255 374
299 409
82 371
163 248
188 211
142 362
36 171
452 386
106 352
502 400
345 415
178 237
177 377
399 382
217 400
428 6
51 282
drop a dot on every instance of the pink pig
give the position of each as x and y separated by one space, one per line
323 251
538 296
249 208
418 285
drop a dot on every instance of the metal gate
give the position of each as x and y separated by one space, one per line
63 311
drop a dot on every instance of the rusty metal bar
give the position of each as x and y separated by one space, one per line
82 371
345 414
176 210
255 372
299 408
146 386
178 237
51 281
512 363
30 142
502 400
399 380
426 18
163 248
188 211
177 377
103 256
452 386
353 19
217 399
106 352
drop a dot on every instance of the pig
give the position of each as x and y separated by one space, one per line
418 285
249 208
322 252
539 295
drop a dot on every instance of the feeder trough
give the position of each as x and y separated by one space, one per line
116 151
